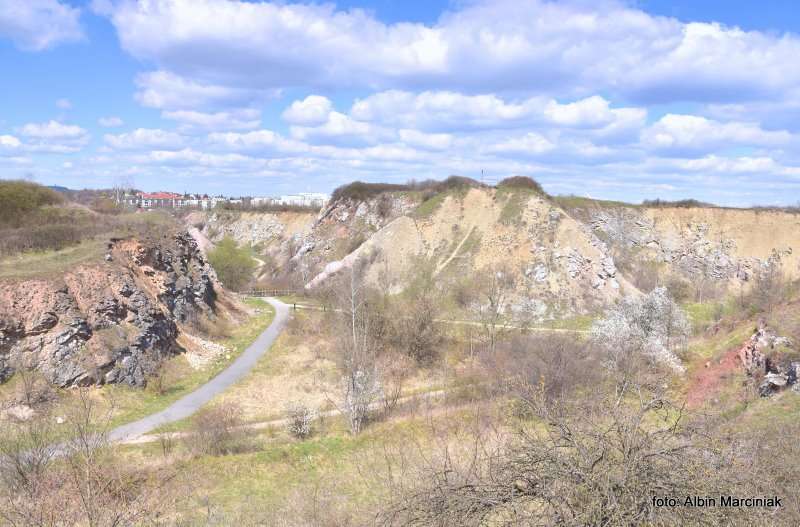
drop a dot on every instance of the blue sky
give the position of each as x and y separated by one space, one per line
608 99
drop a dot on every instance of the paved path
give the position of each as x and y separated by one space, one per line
190 403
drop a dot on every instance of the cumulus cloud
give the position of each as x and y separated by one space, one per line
52 130
110 122
685 134
9 142
571 48
35 25
260 141
54 137
311 111
168 91
145 138
238 119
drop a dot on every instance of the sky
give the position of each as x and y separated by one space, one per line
612 99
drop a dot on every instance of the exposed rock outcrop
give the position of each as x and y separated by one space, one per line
111 322
761 359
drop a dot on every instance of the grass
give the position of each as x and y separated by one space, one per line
133 403
428 208
50 263
126 403
279 471
516 199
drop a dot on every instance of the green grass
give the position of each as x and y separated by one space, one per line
428 208
570 202
279 470
578 323
134 403
50 263
516 199
299 299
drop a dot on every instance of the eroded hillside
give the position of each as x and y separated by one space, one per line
567 256
108 321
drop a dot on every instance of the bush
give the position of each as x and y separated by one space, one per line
21 198
522 182
233 265
300 418
360 191
681 204
217 431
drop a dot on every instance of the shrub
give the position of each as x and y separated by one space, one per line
300 418
682 203
20 198
233 264
522 182
217 431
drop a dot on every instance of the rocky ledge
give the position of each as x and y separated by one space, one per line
110 322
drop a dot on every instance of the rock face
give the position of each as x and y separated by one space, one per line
759 357
722 245
112 322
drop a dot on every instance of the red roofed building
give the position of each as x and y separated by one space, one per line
159 200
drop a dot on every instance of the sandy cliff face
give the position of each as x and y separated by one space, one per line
567 260
107 323
558 266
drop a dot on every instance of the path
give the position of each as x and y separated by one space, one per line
190 403
284 422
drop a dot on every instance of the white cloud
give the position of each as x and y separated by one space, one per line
64 104
168 91
53 137
339 129
257 141
52 130
9 142
311 111
566 48
691 133
529 144
35 25
145 138
110 122
418 139
241 119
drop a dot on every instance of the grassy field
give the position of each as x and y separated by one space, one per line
341 476
48 263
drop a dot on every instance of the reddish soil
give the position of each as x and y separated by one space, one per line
707 381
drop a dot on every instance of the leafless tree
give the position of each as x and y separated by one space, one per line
495 286
597 459
70 476
358 343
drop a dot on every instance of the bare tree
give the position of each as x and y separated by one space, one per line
601 459
496 284
358 345
77 481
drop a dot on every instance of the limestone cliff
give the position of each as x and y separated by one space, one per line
109 322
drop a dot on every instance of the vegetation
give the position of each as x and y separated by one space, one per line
522 182
234 265
683 203
360 191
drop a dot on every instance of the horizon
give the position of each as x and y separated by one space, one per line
611 100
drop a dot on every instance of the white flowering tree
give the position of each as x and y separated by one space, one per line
652 324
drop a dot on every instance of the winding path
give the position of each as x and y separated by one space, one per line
190 403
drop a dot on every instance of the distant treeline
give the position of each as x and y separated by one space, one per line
265 207
360 190
681 204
